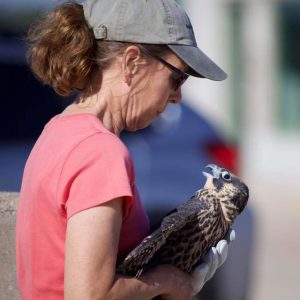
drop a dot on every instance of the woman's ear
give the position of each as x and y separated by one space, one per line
132 59
127 78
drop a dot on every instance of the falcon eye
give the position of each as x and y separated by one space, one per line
226 175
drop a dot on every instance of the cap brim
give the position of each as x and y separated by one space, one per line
200 64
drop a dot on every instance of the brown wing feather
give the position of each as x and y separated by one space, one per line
142 254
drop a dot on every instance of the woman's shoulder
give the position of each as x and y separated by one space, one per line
105 143
83 130
81 139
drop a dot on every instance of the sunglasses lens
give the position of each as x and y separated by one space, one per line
179 82
179 76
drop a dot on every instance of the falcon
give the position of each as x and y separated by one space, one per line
187 233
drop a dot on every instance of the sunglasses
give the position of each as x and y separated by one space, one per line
179 76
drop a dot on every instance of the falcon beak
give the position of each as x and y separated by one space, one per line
216 171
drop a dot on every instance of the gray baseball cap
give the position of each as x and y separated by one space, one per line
151 22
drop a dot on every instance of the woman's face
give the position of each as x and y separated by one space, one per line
151 91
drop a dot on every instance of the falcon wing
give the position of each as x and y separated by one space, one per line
173 222
183 215
140 256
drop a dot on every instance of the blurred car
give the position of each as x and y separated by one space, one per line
169 156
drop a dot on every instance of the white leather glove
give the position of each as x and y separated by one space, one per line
215 257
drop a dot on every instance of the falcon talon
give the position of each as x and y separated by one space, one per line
188 232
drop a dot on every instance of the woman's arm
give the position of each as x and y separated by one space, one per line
91 250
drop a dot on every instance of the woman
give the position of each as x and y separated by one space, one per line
79 209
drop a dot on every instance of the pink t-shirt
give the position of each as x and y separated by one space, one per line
75 164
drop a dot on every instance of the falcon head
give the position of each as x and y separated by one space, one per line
232 193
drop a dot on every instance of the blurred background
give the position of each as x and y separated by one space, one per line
249 123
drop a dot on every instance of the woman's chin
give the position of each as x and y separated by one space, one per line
137 127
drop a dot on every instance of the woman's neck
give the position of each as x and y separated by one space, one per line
104 110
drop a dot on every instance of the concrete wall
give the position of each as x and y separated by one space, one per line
8 286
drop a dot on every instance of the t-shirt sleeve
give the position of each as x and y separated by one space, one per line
96 171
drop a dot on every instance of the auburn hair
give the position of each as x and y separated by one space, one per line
63 53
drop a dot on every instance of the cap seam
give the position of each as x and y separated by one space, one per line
170 20
120 24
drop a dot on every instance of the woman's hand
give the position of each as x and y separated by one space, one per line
215 257
175 284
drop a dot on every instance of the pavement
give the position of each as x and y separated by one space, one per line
276 262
